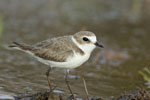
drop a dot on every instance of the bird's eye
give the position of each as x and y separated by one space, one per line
85 39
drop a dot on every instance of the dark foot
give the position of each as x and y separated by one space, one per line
71 97
48 71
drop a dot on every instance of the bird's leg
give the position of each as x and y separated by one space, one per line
68 85
85 88
49 83
48 78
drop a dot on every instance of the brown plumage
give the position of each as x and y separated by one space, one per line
55 49
21 46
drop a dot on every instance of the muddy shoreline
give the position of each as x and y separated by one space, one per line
140 94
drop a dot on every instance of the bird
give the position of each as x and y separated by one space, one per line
67 52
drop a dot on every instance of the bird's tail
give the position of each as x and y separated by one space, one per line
21 46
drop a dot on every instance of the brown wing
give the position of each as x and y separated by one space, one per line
56 49
22 46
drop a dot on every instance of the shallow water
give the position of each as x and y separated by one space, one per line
118 25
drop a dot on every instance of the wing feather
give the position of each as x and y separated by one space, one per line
56 49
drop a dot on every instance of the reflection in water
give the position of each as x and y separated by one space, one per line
111 57
7 97
121 25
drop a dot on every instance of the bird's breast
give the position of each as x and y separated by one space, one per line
72 61
76 60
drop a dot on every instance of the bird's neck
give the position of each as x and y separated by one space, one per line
86 48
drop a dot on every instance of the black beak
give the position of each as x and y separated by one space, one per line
99 45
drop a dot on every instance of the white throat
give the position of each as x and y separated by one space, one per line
87 48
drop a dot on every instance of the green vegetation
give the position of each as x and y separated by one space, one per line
146 74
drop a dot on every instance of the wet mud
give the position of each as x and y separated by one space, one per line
141 94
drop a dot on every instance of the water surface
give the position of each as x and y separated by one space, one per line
118 25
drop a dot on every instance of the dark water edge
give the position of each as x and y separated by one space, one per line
136 95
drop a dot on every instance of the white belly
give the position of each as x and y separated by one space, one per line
71 62
76 61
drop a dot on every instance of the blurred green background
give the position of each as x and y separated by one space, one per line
123 26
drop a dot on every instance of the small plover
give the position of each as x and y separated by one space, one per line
63 52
